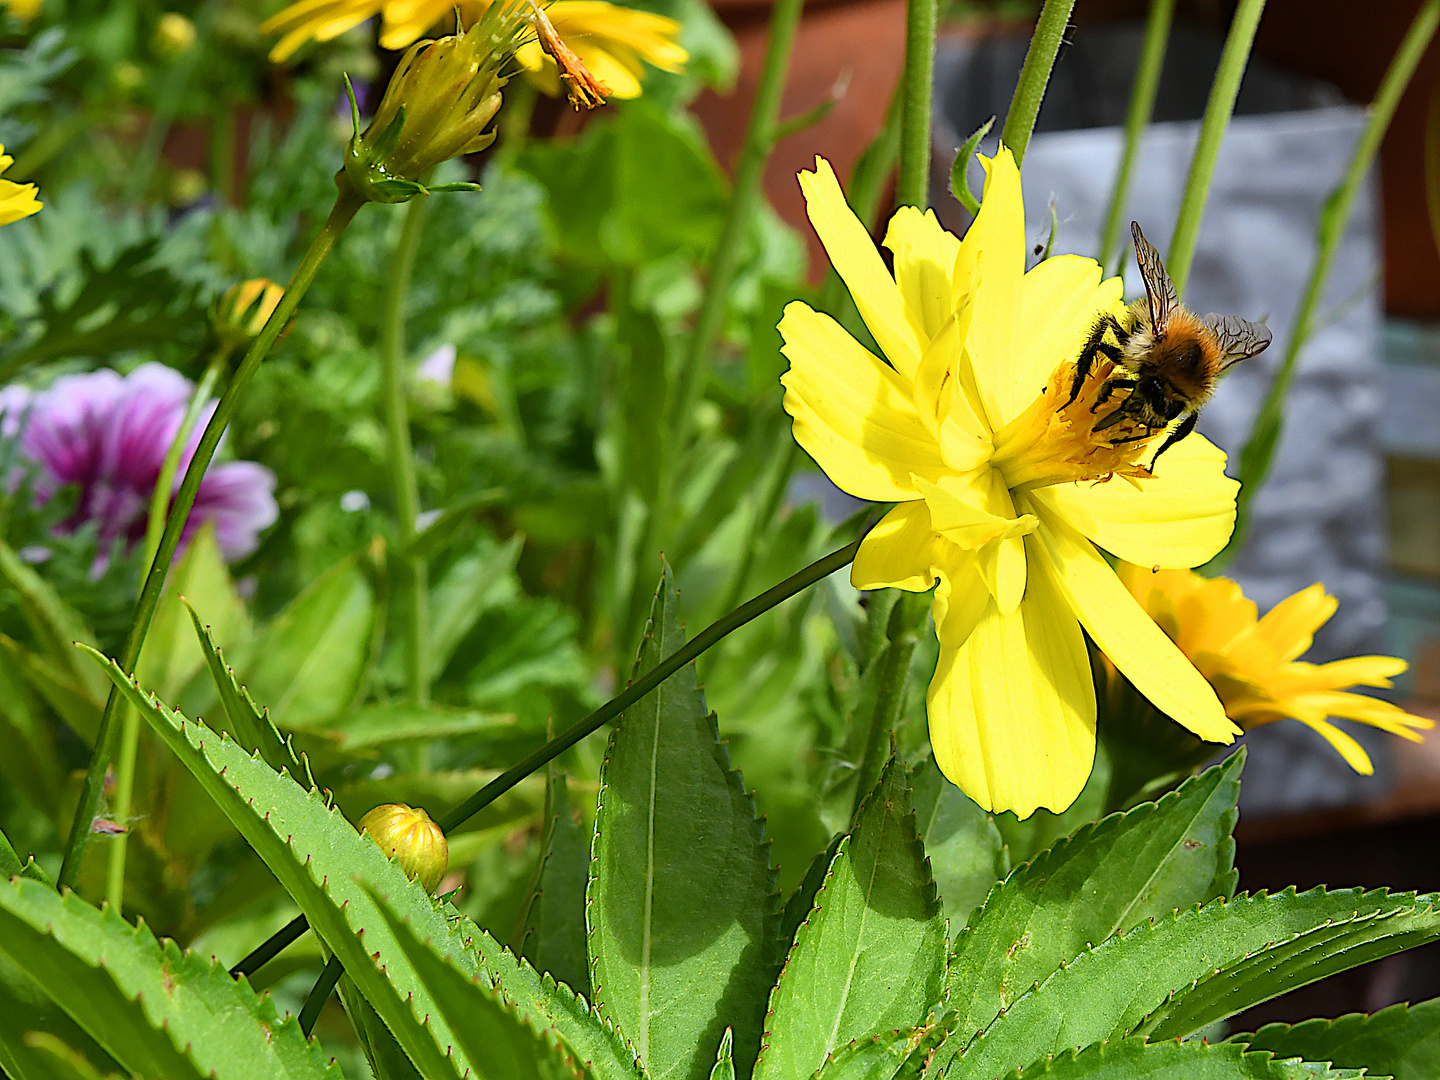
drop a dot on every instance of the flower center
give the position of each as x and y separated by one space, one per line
1055 440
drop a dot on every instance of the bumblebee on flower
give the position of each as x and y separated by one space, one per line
1006 490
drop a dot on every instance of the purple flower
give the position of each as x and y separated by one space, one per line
108 436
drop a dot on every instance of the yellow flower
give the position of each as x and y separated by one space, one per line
1004 490
612 41
24 10
1252 662
16 200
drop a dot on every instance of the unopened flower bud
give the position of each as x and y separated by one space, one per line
174 35
242 310
409 834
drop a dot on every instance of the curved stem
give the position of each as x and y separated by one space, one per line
325 985
346 205
414 590
1218 111
1035 76
796 583
1142 107
913 187
1259 449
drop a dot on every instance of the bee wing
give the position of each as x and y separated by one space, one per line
1239 338
1158 286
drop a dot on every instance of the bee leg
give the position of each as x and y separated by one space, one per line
1111 385
1186 427
1094 344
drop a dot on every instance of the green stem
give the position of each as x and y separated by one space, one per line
913 188
1265 435
413 590
1035 76
908 613
154 527
1142 107
1218 110
794 584
323 988
346 205
759 141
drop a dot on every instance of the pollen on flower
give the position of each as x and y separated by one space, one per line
1055 440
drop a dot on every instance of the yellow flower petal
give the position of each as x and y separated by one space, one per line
1129 637
1012 711
1291 624
997 236
924 260
855 259
1059 302
1353 753
947 399
1182 517
1360 671
853 414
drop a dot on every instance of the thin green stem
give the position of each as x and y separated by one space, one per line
1218 110
1265 435
346 205
1142 107
715 632
414 598
323 988
154 528
724 261
1035 76
913 188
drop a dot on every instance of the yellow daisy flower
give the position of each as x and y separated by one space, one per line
1004 490
612 41
16 200
1252 662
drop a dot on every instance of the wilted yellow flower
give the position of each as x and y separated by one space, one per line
1252 662
16 200
407 833
242 310
612 41
1005 491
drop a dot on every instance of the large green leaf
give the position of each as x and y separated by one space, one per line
892 1056
159 1011
681 905
326 866
307 664
554 934
1402 1041
1135 1059
967 854
1103 880
500 1043
1173 976
870 958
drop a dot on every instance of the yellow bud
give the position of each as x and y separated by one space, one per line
408 832
242 310
174 34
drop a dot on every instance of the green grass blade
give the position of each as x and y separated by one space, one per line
1402 1041
681 907
869 959
158 1011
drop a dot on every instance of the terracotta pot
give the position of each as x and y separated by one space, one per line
862 43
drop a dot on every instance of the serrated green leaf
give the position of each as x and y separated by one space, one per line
11 865
382 1053
1103 880
246 722
870 957
1173 976
499 1041
724 1058
802 901
1135 1059
892 1056
554 934
26 1008
307 664
681 906
966 851
321 860
53 622
1402 1041
171 654
159 1011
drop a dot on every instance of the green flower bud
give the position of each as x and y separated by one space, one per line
409 833
242 310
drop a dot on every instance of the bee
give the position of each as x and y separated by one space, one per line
1166 356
